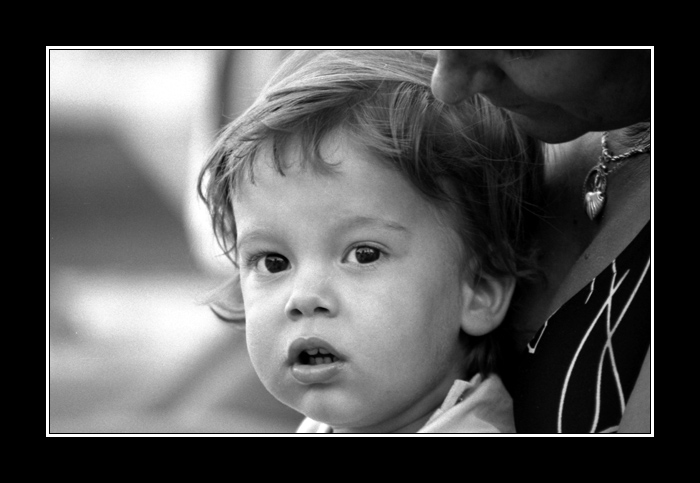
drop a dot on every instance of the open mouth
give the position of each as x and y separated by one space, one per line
316 356
313 360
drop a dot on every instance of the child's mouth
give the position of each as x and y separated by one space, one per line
313 360
316 356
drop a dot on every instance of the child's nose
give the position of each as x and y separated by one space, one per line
312 295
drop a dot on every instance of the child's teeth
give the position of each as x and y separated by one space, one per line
319 356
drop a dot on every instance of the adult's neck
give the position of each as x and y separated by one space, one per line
574 248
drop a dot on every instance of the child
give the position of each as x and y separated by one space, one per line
379 235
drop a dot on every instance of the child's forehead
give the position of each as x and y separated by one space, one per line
354 185
335 157
331 148
329 155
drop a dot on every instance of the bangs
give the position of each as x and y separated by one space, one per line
468 159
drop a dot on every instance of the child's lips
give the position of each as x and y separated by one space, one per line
303 344
318 374
313 360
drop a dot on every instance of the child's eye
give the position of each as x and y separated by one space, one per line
364 255
272 263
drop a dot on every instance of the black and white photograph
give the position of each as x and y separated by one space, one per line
349 241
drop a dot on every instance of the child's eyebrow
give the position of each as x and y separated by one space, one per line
372 222
344 225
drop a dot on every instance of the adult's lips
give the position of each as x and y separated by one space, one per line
522 107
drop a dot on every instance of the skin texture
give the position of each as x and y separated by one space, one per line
555 95
394 321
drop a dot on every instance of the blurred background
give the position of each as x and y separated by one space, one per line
131 347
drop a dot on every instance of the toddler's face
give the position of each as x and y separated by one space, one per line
352 289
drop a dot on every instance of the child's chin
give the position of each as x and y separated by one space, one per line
333 409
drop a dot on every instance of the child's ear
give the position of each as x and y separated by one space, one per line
485 303
226 301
